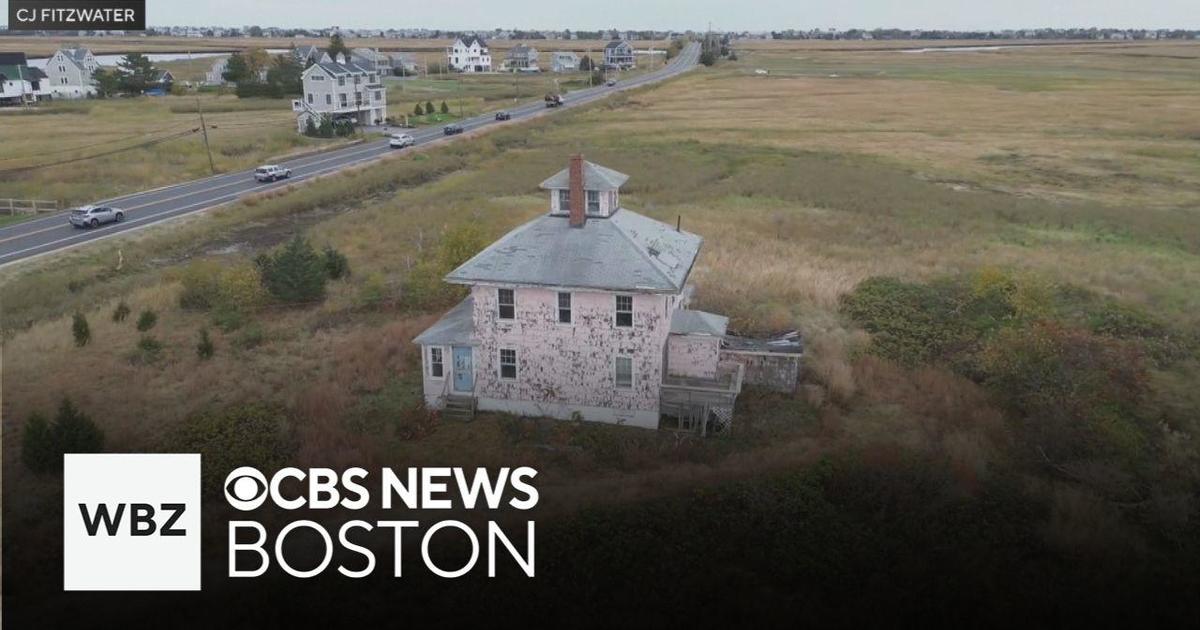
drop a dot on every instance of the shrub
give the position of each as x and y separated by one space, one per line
121 312
336 265
445 109
200 286
310 127
294 274
80 330
1079 391
252 337
418 110
256 434
205 348
148 351
146 320
429 107
424 287
240 287
43 444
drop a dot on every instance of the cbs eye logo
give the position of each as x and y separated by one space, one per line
245 488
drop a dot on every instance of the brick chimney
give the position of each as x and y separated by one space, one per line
578 217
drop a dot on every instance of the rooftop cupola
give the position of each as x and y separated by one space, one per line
584 190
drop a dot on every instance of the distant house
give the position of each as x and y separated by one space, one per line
406 61
161 84
20 83
216 74
340 89
70 73
522 58
469 56
564 61
582 313
308 55
618 54
372 59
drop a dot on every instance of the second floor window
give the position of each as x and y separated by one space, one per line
624 311
564 200
593 202
564 308
507 304
341 80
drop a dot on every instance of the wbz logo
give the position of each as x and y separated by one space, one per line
131 522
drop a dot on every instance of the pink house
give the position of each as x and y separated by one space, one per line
582 314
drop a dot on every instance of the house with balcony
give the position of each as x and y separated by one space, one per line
372 59
582 313
70 71
522 58
341 90
618 55
564 61
472 55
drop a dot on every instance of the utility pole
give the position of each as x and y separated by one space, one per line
203 128
204 132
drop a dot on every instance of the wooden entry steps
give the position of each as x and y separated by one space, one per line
459 408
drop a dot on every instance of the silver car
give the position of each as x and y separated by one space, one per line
94 216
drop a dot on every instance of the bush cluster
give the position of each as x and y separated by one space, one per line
44 443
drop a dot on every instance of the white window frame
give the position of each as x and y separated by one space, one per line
500 304
516 364
616 373
564 195
587 200
617 310
558 308
440 362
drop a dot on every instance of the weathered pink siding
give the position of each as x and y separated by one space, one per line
693 355
564 366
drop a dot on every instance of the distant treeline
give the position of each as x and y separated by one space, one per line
1037 33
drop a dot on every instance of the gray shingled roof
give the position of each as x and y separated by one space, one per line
334 68
454 328
595 177
616 42
624 252
686 322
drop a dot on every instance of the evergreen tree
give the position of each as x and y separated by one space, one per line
294 274
236 69
137 73
338 47
418 110
445 108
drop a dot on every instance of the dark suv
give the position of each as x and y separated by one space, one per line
452 129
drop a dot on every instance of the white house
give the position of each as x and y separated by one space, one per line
342 90
522 58
582 313
618 54
372 59
70 73
564 61
472 56
20 83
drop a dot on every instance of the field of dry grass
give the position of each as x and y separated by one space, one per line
1074 165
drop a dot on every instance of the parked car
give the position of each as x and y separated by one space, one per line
94 216
503 115
611 82
401 140
452 129
271 172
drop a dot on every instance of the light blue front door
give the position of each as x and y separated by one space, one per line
464 376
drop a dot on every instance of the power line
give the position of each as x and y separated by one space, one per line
21 169
13 158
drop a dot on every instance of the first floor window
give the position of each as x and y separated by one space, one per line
328 99
508 363
507 304
624 311
624 373
564 200
564 308
310 98
435 362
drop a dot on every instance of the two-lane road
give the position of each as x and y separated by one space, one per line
52 233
